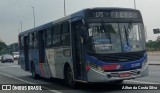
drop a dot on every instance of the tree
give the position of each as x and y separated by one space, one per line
2 45
149 44
153 45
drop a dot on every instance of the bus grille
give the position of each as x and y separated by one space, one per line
121 57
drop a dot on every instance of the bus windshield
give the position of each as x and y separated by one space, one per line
115 37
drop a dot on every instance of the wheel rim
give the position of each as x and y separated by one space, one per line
69 77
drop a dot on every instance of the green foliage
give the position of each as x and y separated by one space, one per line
153 45
8 49
2 45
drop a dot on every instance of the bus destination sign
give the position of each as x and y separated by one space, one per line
114 14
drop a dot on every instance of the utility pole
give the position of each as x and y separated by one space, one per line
34 16
64 8
134 4
21 25
145 29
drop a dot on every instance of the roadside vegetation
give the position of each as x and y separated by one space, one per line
2 45
153 45
4 49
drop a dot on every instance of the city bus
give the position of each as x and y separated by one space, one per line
89 46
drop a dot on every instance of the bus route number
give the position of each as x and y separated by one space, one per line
99 14
135 65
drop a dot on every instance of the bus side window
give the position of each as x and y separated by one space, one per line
65 34
48 37
57 36
21 43
35 40
31 40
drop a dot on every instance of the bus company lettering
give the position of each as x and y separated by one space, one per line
135 65
118 67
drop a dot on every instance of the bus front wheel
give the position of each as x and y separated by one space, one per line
69 78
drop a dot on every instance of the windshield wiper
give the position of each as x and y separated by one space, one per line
106 31
126 35
127 31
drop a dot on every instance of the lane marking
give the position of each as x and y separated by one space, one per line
9 66
55 91
144 82
153 72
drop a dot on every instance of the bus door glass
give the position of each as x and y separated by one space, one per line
26 46
78 50
41 46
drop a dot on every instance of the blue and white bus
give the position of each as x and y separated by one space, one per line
92 45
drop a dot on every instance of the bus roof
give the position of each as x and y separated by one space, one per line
79 13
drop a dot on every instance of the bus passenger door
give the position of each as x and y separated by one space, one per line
78 50
43 66
41 47
26 57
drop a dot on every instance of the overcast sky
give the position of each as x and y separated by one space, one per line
14 11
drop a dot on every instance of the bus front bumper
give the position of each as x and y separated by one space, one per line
99 76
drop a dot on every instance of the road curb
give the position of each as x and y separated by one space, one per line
153 64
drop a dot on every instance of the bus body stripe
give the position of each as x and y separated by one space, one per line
41 68
116 65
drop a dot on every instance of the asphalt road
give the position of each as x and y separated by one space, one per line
154 58
11 73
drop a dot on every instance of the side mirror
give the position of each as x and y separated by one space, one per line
83 21
83 26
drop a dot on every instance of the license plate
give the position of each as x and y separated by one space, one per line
124 74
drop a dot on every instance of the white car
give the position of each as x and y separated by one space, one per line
15 55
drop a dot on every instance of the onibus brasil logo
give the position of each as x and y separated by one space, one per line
21 87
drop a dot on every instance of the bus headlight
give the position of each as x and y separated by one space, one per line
95 66
99 68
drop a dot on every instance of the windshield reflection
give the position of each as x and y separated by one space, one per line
115 37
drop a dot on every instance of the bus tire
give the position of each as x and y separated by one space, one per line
118 81
69 78
34 75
